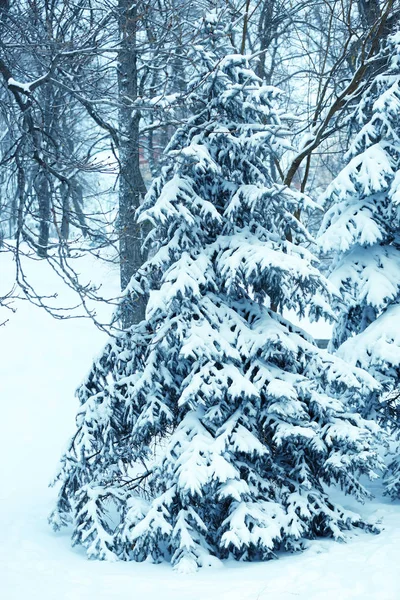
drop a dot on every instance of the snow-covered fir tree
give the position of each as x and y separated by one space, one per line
362 225
215 428
362 229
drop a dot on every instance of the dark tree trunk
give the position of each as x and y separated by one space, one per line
131 184
369 12
42 185
42 190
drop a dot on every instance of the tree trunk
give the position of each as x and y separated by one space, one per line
131 184
370 11
43 192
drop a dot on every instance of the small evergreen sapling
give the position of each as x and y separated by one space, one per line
215 427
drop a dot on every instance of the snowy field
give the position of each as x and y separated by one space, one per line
42 361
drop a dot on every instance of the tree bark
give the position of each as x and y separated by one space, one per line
131 184
42 190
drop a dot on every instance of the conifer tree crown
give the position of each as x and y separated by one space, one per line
362 229
362 225
212 428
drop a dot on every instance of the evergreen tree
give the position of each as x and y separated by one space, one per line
362 225
214 427
362 228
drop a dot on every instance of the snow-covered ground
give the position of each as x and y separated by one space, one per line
42 361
